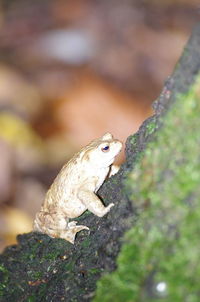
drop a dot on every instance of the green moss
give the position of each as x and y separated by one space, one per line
36 275
94 271
151 126
159 260
4 276
84 215
86 242
32 299
133 139
27 275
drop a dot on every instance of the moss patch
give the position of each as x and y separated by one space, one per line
159 260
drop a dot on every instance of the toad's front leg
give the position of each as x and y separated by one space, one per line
92 201
113 170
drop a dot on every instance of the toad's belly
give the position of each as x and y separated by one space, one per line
73 208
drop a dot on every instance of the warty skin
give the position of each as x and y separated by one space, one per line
73 190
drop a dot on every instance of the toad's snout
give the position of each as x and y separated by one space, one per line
118 145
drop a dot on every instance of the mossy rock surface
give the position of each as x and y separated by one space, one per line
156 207
159 260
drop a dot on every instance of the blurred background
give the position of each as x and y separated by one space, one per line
69 72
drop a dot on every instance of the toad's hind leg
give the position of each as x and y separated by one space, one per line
71 230
57 225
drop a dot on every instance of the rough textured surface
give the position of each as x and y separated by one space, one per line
159 260
43 269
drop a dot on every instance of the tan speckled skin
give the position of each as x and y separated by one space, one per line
73 190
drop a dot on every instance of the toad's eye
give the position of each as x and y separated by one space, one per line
105 149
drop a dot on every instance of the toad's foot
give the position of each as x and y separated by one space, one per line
70 233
